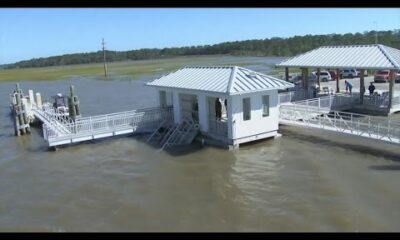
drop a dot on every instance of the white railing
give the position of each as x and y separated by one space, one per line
55 122
322 102
179 134
297 95
379 101
351 123
285 97
339 100
336 101
376 100
138 119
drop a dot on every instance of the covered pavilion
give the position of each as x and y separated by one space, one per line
360 57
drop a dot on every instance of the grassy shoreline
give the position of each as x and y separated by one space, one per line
115 69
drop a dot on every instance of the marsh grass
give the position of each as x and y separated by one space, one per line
115 69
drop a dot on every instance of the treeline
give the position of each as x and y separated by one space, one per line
267 47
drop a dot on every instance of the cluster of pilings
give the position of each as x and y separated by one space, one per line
20 116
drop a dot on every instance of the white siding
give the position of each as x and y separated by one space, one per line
258 124
177 107
203 112
237 128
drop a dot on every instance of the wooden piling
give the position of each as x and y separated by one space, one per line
21 121
73 104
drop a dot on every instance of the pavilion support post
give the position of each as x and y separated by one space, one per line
304 78
391 82
287 74
318 78
337 80
362 86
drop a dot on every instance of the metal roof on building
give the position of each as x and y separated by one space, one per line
374 56
228 80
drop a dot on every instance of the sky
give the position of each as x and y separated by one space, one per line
27 33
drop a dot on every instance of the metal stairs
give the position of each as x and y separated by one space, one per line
168 135
58 124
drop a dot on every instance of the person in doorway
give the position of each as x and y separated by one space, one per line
226 106
218 109
371 89
195 112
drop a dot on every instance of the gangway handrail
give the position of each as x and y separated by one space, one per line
345 122
136 119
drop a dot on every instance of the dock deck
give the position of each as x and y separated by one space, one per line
102 126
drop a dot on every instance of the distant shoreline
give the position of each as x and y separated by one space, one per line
131 68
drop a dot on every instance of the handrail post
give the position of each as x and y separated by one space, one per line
369 125
319 103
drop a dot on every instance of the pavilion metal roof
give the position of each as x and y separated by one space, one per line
221 79
374 56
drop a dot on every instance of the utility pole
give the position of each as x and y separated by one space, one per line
104 58
376 33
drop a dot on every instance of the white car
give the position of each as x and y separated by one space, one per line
324 76
348 73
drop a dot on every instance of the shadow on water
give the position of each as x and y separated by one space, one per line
374 151
179 150
256 143
386 167
185 149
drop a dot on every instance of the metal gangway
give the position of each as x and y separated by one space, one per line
345 101
168 134
55 120
320 113
103 126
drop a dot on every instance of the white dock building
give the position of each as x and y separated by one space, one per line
231 104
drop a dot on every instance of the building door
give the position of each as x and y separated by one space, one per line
189 107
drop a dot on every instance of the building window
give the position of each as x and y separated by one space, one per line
265 105
163 99
246 109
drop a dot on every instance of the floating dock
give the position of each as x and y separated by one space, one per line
61 128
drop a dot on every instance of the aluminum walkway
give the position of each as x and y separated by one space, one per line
322 113
51 118
103 126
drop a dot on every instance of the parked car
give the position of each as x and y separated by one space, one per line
382 76
365 73
333 74
312 79
324 76
348 73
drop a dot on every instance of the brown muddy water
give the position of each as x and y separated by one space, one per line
307 180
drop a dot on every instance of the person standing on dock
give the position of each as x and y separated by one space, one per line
371 89
350 87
